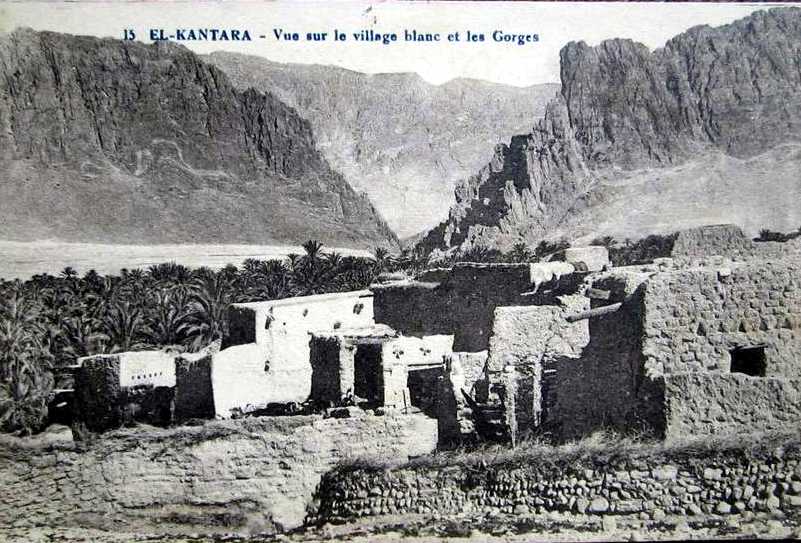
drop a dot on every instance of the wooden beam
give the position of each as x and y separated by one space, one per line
597 312
598 294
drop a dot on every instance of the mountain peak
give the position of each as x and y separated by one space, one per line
626 112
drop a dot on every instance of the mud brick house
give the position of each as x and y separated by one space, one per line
479 305
686 346
693 350
377 366
266 359
106 384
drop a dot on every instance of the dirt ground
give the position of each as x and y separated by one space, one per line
500 528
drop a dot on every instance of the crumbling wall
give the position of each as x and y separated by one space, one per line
111 390
194 392
531 338
687 321
97 389
715 403
729 241
472 370
606 387
695 317
243 476
463 302
720 239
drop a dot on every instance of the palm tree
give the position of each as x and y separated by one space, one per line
207 321
168 318
25 364
520 253
68 273
383 260
83 336
313 249
124 326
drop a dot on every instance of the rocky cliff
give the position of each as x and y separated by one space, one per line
109 141
403 141
705 129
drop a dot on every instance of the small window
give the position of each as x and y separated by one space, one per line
749 360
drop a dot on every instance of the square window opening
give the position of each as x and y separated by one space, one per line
749 360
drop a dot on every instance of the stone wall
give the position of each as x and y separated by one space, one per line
680 483
244 476
695 317
711 403
194 394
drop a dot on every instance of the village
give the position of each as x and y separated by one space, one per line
567 396
706 341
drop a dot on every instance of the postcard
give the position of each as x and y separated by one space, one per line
399 271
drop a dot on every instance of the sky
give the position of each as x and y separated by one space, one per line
503 62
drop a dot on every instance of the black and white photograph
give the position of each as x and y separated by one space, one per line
459 271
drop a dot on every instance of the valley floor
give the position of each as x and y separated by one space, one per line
21 260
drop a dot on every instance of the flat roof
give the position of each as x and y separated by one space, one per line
315 298
373 331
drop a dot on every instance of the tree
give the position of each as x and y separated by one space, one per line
168 318
520 253
25 365
207 320
124 327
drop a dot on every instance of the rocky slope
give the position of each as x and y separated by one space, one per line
403 141
109 141
686 127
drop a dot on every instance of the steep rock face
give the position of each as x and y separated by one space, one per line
624 112
403 141
102 140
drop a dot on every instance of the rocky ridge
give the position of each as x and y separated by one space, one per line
626 113
121 142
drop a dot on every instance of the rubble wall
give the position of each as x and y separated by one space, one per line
713 403
695 317
699 482
194 394
242 476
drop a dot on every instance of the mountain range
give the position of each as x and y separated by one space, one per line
404 142
705 129
121 142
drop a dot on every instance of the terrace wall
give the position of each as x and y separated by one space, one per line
699 482
242 476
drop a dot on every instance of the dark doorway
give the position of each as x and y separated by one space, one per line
368 377
423 387
749 360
